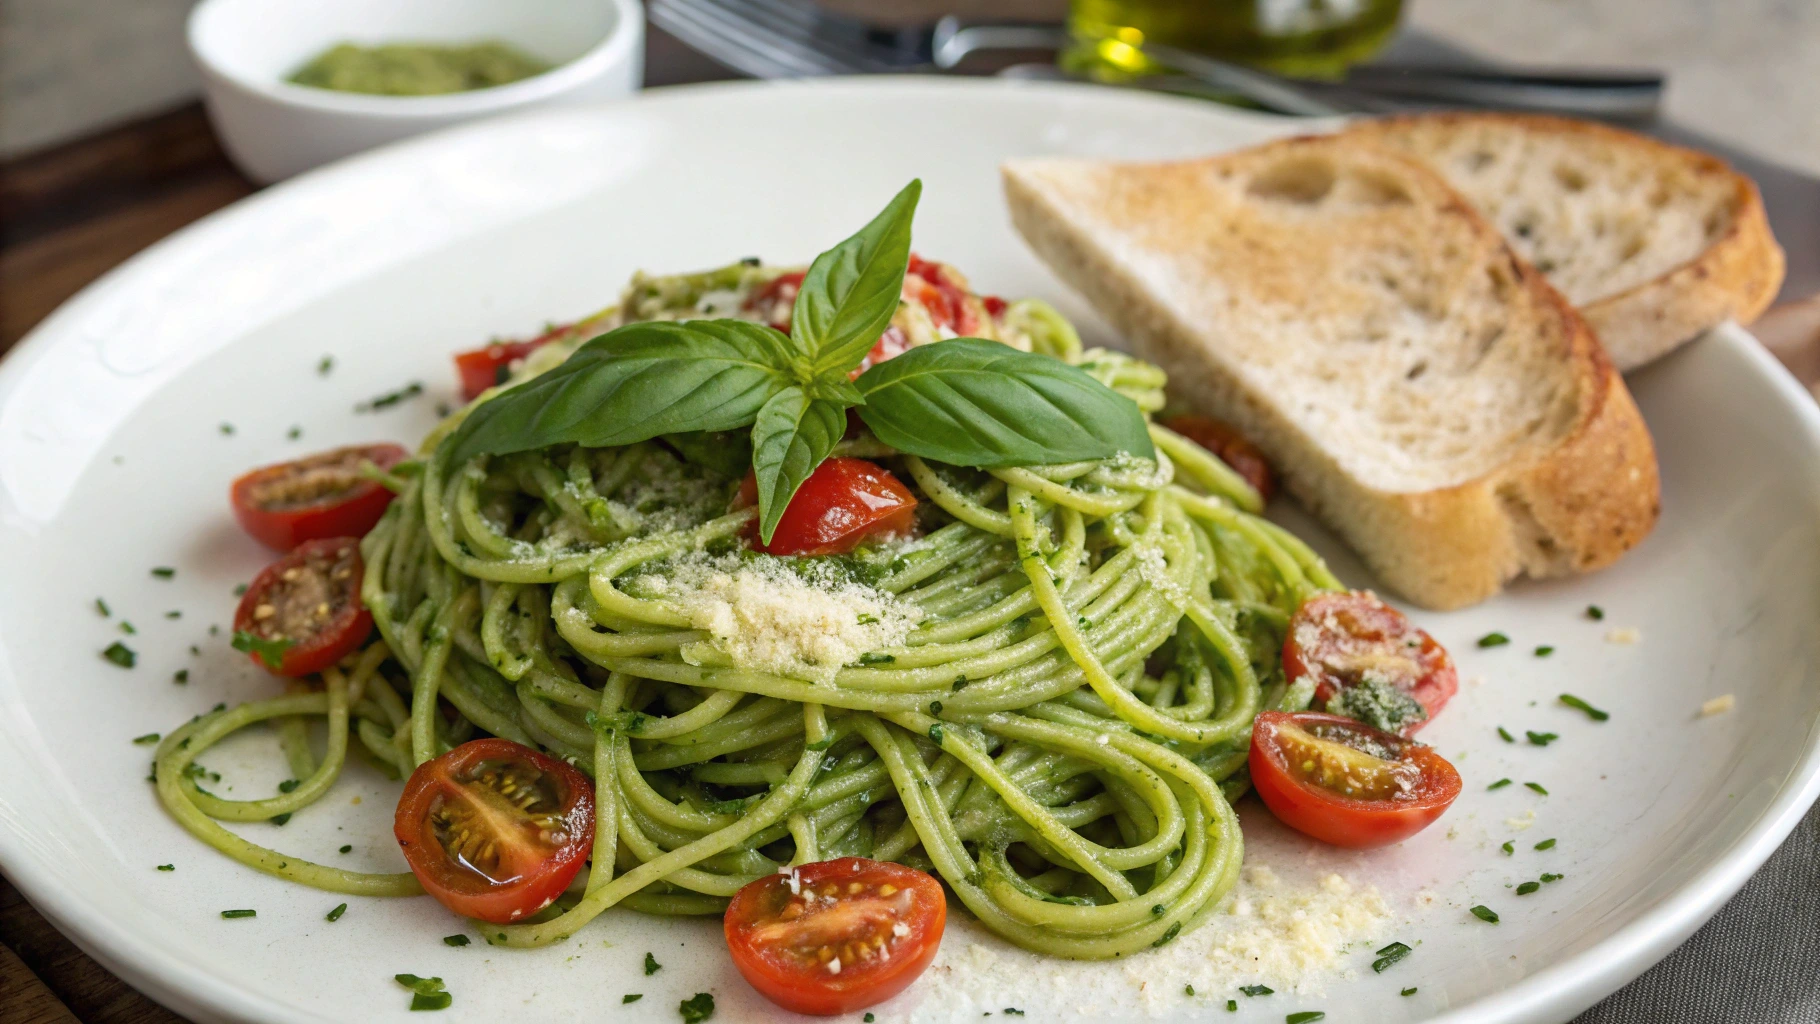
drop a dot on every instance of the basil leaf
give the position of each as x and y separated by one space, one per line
850 292
632 384
727 452
794 433
971 402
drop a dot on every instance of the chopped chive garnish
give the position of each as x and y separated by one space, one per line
239 591
1012 1011
327 364
1188 990
227 430
1389 955
120 654
340 909
294 433
1232 1006
868 1018
1540 739
181 676
1500 784
1546 844
935 733
1544 651
1528 887
1537 786
935 707
454 940
150 737
1305 1017
279 819
1509 848
426 993
101 608
127 627
349 848
651 965
1552 877
288 786
1407 992
1485 913
391 398
1493 640
164 572
1591 712
231 914
173 614
1256 990
1504 734
167 867
431 1001
1594 612
696 1008
270 652
636 996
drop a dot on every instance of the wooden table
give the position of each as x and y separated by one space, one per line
71 214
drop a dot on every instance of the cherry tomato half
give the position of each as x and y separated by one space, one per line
774 300
307 605
836 936
495 830
1371 657
321 495
1231 447
934 286
1345 783
844 502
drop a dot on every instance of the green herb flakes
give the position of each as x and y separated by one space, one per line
148 738
1504 734
1544 651
1232 1006
1591 712
127 628
1509 848
120 654
164 572
696 1008
323 367
1552 877
1500 784
1389 955
1256 990
335 915
1485 913
280 819
167 867
634 997
1594 612
232 914
1188 990
270 652
1493 640
349 848
935 733
293 434
173 614
426 993
1541 739
1546 844
651 965
1407 992
101 608
1305 1017
181 676
288 786
227 430
1537 786
391 398
455 940
1528 887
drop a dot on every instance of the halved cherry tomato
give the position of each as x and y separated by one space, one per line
1345 783
891 344
495 830
1231 447
844 502
930 283
321 495
836 936
308 604
1360 649
774 300
482 368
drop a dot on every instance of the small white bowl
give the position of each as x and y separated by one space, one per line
273 129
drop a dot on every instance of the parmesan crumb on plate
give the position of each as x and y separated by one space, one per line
1623 635
1718 705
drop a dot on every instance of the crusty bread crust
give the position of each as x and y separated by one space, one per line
1572 504
1734 278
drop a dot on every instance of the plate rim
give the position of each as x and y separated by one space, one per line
1554 993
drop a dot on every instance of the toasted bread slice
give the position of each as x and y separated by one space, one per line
1654 243
1421 389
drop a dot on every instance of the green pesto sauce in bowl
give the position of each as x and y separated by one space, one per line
417 69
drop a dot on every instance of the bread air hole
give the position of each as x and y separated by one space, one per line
1305 181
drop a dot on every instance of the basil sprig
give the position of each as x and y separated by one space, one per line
964 401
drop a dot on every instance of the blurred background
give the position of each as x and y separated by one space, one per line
106 147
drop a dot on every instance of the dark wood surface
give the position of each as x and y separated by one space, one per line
67 216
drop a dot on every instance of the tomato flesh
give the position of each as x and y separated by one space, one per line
322 495
1230 447
773 301
308 604
495 830
844 502
1370 658
489 365
836 936
1345 783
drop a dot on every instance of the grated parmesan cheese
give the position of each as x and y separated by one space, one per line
766 616
1718 705
1624 635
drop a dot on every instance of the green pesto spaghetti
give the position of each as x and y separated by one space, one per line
1044 695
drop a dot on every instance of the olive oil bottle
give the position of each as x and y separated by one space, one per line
1307 38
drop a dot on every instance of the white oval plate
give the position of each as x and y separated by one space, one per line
114 459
